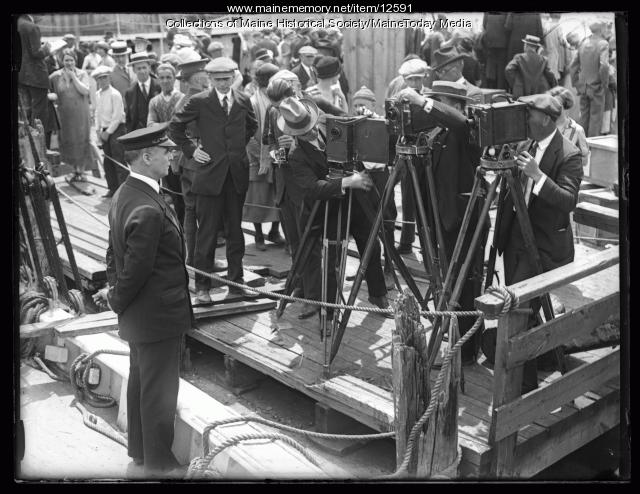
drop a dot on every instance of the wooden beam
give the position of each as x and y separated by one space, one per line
568 435
508 418
545 282
507 387
561 330
597 216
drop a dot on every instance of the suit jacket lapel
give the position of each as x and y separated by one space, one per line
141 186
235 106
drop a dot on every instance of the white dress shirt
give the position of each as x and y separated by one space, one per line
109 109
145 86
229 97
149 181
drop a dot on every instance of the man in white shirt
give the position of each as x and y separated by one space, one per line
110 124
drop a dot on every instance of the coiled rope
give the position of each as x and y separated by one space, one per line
79 378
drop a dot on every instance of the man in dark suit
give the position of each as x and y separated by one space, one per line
225 121
551 172
494 40
305 71
453 161
140 93
519 25
308 164
148 290
448 63
33 78
529 73
121 76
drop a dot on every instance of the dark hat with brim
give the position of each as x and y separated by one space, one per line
327 67
448 89
445 56
297 116
325 44
265 72
545 103
147 137
187 69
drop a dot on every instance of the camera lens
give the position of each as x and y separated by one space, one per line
335 133
392 114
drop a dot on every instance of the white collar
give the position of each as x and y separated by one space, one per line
462 80
149 181
221 96
544 143
145 84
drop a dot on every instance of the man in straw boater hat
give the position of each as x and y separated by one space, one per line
454 161
122 76
110 125
225 121
308 162
529 73
149 291
447 65
144 88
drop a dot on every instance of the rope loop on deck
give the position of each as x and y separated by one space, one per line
199 466
79 378
511 300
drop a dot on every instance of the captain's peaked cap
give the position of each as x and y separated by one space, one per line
147 137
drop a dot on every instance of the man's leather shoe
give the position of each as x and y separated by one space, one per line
405 249
219 265
276 238
203 297
260 244
243 291
308 310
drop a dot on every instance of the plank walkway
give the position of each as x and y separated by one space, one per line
290 349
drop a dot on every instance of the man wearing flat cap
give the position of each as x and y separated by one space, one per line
144 88
453 161
70 39
305 71
590 76
447 65
148 290
551 171
225 121
529 73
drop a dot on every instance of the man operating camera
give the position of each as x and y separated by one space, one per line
311 174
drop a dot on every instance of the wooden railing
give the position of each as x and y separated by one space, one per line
516 344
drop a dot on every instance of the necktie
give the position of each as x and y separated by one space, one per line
314 76
225 105
144 91
527 183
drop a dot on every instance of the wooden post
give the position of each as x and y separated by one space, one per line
409 377
507 387
438 452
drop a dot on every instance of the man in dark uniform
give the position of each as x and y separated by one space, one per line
225 122
309 167
551 171
453 163
148 290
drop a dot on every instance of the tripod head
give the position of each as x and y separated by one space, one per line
412 145
499 157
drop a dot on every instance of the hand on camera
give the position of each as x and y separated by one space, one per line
359 180
285 141
201 156
411 95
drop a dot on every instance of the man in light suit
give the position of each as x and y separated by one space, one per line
590 76
225 122
139 94
148 290
448 63
551 170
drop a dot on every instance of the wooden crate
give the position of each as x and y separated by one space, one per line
603 164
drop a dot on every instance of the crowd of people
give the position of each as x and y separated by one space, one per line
231 129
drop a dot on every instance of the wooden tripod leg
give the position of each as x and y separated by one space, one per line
530 245
436 219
